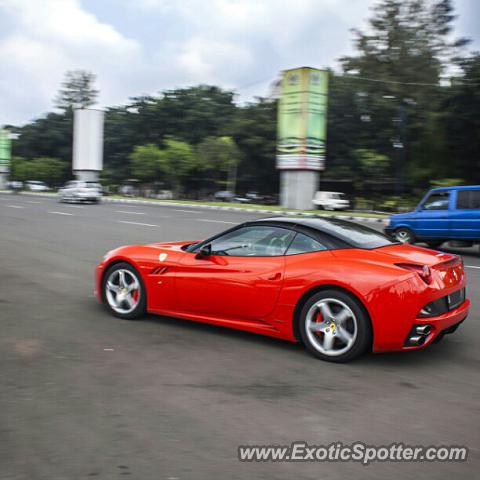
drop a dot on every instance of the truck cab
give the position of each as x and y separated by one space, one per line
444 214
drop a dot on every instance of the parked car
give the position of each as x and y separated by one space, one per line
331 201
128 191
15 185
81 191
36 186
224 196
444 214
164 195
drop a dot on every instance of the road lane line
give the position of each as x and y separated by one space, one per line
61 213
74 206
215 221
127 211
15 206
137 223
186 211
33 201
471 266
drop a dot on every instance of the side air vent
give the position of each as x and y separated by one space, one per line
159 271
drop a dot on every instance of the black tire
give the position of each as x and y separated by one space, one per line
404 235
141 306
363 339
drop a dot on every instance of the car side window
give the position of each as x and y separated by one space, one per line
468 199
304 244
437 201
253 241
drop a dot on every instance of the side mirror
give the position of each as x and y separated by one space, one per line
205 251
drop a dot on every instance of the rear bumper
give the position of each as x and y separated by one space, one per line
439 325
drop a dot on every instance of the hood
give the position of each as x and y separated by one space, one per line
400 216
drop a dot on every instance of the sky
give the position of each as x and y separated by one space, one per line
138 47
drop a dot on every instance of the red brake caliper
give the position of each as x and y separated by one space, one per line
135 295
319 318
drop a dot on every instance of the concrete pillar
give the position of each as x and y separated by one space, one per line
297 188
3 181
87 175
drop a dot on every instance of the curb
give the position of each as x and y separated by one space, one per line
226 209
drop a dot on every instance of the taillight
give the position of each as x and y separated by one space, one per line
423 271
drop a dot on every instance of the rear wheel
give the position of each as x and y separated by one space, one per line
123 291
334 327
404 235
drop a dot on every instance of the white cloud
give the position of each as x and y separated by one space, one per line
169 43
47 38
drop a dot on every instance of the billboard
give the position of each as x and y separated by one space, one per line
88 139
302 119
5 151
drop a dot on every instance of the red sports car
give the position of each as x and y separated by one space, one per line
338 287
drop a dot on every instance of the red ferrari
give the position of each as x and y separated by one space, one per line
338 287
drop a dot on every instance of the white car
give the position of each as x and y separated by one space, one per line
331 201
36 186
80 191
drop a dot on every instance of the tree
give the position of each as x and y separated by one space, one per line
219 156
254 129
48 170
460 122
77 91
179 158
397 73
148 163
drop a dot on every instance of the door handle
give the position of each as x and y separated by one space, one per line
275 276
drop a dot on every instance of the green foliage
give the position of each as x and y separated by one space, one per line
178 157
77 90
372 164
147 162
447 182
218 154
48 170
169 164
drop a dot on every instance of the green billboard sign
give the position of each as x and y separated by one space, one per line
302 113
5 150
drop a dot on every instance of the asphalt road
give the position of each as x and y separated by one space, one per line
86 395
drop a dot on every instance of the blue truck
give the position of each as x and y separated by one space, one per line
446 214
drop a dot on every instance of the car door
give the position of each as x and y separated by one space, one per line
465 217
432 219
240 279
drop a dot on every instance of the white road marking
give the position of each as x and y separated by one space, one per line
74 206
137 223
33 201
471 266
127 211
215 221
186 211
15 206
61 213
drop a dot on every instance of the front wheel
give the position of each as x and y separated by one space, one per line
334 327
404 235
124 292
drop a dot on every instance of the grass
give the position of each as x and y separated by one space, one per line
252 206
